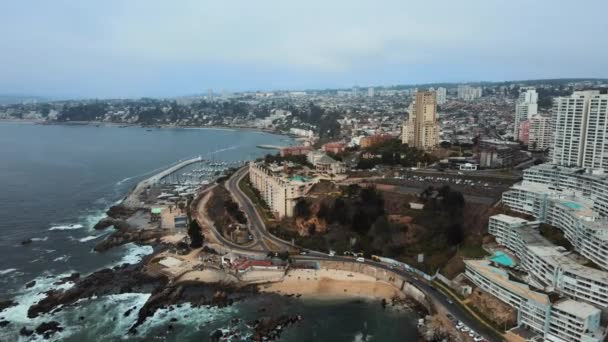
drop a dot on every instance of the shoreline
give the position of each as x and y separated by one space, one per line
163 126
327 284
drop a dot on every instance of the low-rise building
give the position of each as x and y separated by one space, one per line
295 151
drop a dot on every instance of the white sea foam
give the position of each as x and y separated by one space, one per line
7 271
63 258
67 227
225 149
89 238
135 254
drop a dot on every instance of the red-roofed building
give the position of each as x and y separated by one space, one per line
374 140
244 265
295 151
334 147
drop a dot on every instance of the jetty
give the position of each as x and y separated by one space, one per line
132 199
270 147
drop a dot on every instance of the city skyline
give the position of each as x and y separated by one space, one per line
138 49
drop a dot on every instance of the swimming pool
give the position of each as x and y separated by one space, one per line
572 205
502 259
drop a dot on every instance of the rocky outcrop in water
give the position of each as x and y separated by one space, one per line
120 212
269 329
121 279
124 236
197 294
48 329
7 304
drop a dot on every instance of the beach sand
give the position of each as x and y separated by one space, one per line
332 284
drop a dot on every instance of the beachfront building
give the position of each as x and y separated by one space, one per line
549 267
571 199
278 190
562 320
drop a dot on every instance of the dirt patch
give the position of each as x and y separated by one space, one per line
496 311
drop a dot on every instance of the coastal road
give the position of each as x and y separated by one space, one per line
204 221
438 298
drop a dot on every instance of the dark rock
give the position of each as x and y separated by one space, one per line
173 319
126 235
48 329
100 283
216 336
25 332
26 242
7 304
120 212
81 318
4 323
30 284
71 278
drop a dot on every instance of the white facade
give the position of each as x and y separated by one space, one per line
280 193
548 266
442 95
580 130
540 133
525 107
469 93
565 320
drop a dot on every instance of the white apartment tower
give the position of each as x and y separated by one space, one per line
525 107
468 93
580 130
539 133
370 92
442 95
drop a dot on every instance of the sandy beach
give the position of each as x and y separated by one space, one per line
332 284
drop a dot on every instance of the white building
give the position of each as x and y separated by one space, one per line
539 133
564 320
549 267
442 95
525 107
279 191
370 92
580 132
468 93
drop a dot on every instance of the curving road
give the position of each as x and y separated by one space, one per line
258 229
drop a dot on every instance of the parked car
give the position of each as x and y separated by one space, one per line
478 339
360 259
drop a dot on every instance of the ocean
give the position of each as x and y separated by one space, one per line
57 181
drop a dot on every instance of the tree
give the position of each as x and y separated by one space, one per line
196 238
302 208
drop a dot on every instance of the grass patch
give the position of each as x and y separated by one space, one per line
472 251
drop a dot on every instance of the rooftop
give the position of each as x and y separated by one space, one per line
578 309
501 278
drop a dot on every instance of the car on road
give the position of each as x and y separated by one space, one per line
303 252
464 329
360 259
478 339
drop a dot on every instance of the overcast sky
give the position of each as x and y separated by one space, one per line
131 48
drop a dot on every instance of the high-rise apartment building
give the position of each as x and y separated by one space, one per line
370 92
580 130
539 133
525 107
469 93
442 95
421 129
